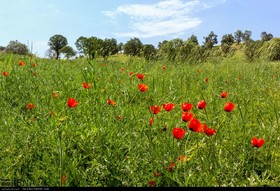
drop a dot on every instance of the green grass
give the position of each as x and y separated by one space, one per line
91 146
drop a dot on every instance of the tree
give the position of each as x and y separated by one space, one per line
274 49
238 35
15 47
246 37
90 47
227 39
210 40
266 36
120 47
193 39
133 47
68 51
2 48
149 51
50 54
109 47
56 43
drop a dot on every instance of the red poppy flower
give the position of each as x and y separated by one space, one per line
198 71
21 63
5 73
155 109
30 106
140 76
257 142
187 116
102 64
168 106
182 159
206 79
224 94
201 104
86 85
34 65
111 102
151 121
123 69
164 67
171 166
55 94
209 131
187 106
195 125
72 102
178 133
63 180
151 183
156 174
143 87
130 73
229 107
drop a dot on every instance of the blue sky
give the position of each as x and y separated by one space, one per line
152 21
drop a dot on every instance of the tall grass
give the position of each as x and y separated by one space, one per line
97 144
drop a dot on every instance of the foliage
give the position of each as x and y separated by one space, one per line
68 51
133 47
56 43
210 40
16 47
266 36
273 49
149 51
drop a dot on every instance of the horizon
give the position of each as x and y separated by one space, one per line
150 21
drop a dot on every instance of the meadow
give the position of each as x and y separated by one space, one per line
109 135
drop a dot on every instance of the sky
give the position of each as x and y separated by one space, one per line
33 22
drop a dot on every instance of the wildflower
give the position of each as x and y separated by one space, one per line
102 64
72 102
186 106
30 106
171 166
151 183
151 121
164 67
5 73
123 69
224 94
195 125
201 104
143 87
119 117
198 71
156 174
86 85
206 79
168 106
155 109
257 142
34 74
178 133
63 180
229 107
187 116
55 94
111 102
34 65
209 131
130 73
140 76
182 158
21 63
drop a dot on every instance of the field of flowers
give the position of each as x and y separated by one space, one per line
133 123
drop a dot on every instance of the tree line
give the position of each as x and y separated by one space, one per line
175 50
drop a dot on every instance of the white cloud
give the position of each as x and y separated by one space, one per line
168 17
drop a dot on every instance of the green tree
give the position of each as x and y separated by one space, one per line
90 47
226 42
15 47
109 47
56 43
193 39
120 47
210 40
68 51
149 51
274 49
246 37
266 36
238 35
133 47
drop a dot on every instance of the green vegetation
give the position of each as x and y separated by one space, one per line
112 138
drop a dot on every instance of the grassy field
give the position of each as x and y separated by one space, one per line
111 137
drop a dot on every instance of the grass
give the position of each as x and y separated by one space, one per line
96 144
